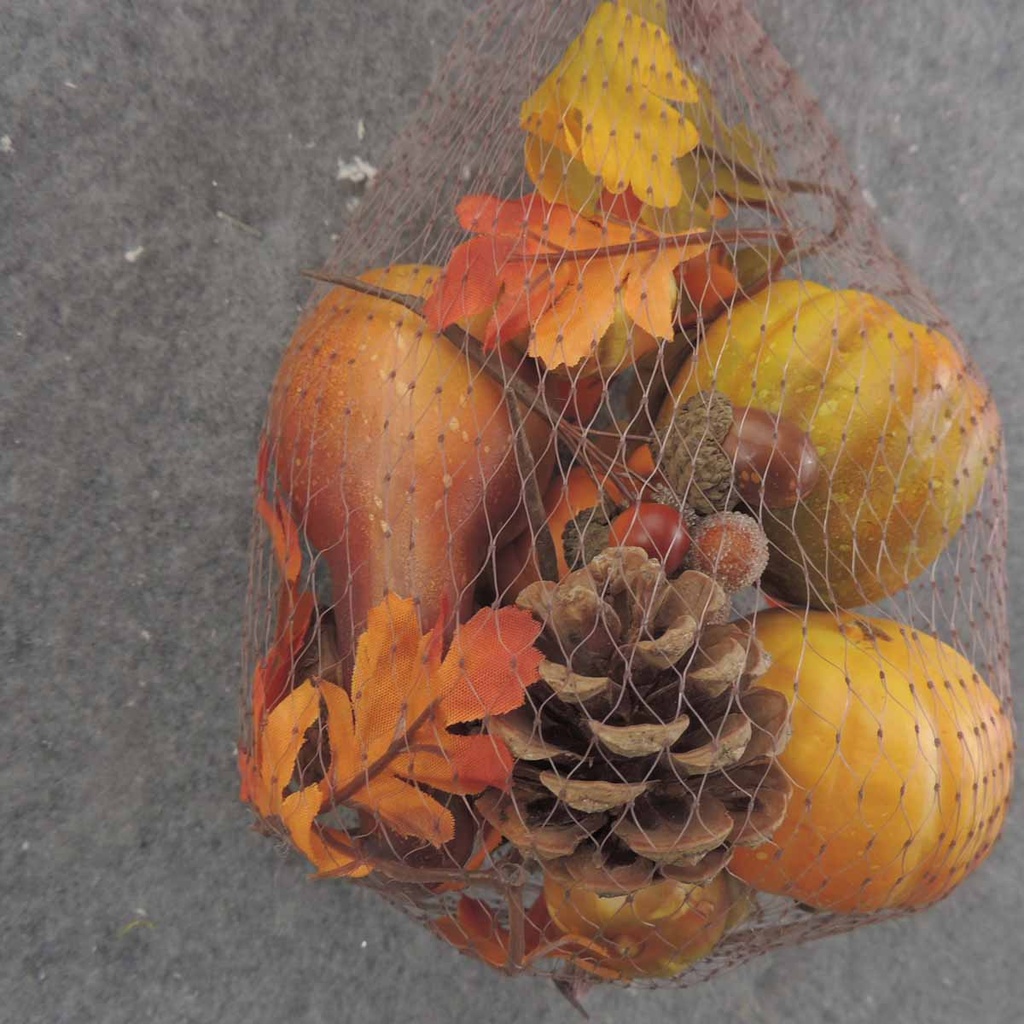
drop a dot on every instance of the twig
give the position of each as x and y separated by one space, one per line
398 872
568 990
840 210
516 928
712 236
399 745
240 224
544 545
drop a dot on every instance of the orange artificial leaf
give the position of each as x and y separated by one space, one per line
283 737
267 785
708 285
284 532
295 606
274 672
280 721
547 268
474 928
390 738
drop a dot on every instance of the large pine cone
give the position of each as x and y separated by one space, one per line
647 749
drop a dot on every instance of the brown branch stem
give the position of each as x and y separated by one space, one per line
710 236
400 744
516 929
543 543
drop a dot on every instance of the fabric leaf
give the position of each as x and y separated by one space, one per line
465 765
475 928
267 778
295 606
391 737
609 102
283 737
546 267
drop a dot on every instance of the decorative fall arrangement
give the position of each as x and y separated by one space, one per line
628 596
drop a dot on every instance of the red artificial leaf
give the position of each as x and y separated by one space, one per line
295 607
474 928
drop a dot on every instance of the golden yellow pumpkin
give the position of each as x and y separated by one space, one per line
904 430
656 932
901 759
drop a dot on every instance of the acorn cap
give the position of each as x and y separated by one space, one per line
692 458
586 535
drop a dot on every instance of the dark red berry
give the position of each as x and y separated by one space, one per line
659 529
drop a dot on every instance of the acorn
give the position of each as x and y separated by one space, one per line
714 456
588 533
774 462
692 459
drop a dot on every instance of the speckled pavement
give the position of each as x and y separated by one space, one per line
165 169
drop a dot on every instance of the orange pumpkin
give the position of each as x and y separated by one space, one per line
901 759
904 430
395 453
656 932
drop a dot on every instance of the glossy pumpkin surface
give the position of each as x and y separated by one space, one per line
901 760
395 453
904 431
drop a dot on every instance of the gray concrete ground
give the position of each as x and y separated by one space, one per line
140 330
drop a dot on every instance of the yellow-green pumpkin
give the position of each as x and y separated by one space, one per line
904 429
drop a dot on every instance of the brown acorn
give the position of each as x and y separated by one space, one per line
692 459
773 461
715 455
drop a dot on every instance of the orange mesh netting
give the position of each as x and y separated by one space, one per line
628 584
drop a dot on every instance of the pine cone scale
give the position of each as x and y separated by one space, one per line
720 745
573 688
518 729
676 833
640 740
591 795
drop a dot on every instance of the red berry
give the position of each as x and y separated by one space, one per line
659 529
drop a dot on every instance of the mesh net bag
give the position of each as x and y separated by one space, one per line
628 585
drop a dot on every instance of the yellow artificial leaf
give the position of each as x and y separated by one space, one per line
610 103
